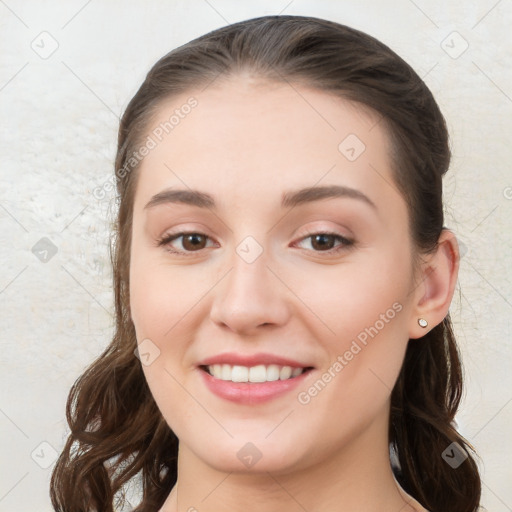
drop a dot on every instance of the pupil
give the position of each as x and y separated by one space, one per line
193 239
323 243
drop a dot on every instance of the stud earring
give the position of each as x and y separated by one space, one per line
422 322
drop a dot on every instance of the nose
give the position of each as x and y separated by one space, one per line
249 297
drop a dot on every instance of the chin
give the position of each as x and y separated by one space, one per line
250 454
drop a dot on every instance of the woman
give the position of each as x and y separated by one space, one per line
282 284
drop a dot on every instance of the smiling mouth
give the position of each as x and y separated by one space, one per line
253 374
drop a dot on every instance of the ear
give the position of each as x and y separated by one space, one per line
437 278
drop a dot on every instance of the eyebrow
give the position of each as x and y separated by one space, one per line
288 199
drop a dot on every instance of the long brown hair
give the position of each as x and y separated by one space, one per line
117 431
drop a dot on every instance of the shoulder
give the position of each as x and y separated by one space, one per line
412 503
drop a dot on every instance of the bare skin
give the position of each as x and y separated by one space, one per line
246 143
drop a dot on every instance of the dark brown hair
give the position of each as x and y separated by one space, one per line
117 430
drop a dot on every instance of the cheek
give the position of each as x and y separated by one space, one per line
166 305
366 314
159 296
353 389
345 300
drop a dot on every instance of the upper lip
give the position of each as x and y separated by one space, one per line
232 359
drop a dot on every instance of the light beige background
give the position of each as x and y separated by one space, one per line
59 114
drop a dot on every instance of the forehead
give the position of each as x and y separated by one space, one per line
247 139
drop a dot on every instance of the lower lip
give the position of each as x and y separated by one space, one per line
251 392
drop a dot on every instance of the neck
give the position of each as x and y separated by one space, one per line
357 477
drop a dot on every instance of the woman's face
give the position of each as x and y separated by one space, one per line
275 281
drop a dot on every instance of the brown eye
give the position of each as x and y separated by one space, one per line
190 242
323 242
327 242
193 241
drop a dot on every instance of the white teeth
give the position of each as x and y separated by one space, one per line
286 372
259 373
273 372
216 370
240 374
226 372
296 372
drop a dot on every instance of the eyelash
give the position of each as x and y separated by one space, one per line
345 245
